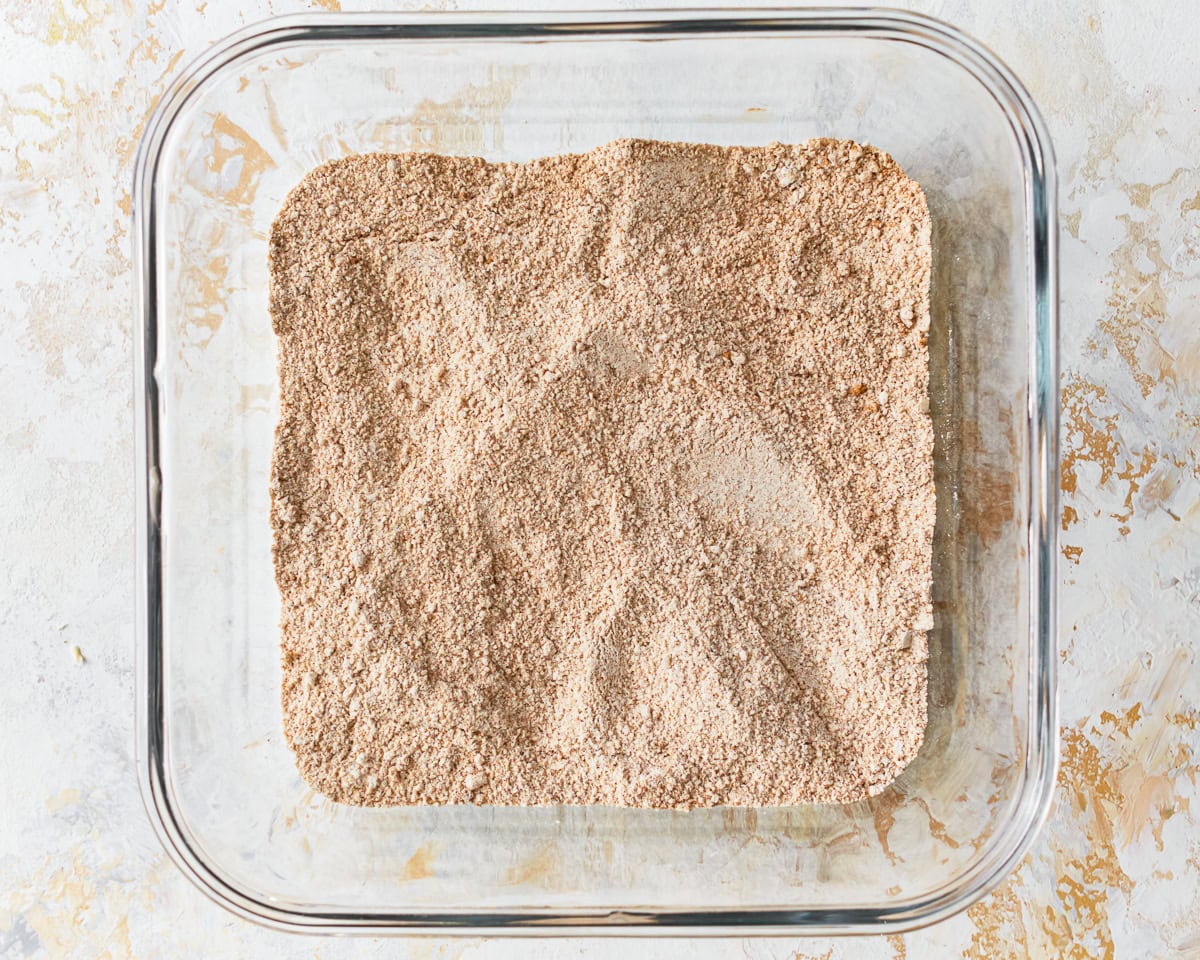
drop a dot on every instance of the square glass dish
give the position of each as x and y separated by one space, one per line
236 132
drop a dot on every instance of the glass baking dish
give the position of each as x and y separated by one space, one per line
238 129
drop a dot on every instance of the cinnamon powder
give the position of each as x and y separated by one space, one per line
604 479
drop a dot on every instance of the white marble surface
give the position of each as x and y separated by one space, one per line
1116 873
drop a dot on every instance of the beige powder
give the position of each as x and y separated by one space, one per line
604 478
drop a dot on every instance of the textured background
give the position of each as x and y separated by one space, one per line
1116 873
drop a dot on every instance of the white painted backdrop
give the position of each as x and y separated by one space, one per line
1117 871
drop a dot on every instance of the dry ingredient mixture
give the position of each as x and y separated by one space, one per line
604 479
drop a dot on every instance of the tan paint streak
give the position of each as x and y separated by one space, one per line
1074 921
1135 340
1112 802
1169 685
999 927
1151 764
127 146
937 829
1140 194
461 124
1160 486
1092 437
1126 110
1124 722
210 284
1139 278
420 865
53 109
988 500
1081 920
1149 801
256 396
883 807
1087 782
334 5
418 949
148 50
67 798
75 908
205 285
42 115
74 23
1072 552
1187 719
1089 438
50 326
541 867
231 142
277 129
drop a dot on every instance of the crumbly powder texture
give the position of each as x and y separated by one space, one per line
606 478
